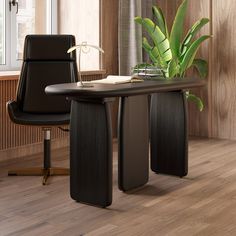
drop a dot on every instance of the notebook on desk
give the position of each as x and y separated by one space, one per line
115 79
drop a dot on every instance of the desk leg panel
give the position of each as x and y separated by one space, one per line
168 135
133 142
91 153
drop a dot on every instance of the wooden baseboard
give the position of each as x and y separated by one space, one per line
22 151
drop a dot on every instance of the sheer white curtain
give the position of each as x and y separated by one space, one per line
130 34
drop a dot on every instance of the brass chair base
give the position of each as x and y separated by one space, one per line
37 171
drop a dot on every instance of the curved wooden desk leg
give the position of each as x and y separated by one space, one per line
91 152
133 142
169 137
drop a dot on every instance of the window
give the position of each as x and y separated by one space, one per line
2 33
31 17
78 17
82 19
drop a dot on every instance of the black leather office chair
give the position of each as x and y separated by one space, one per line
45 62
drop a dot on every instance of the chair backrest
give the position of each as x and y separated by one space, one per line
46 62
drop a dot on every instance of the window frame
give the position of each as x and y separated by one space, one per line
11 63
7 37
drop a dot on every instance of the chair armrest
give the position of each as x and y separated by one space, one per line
13 108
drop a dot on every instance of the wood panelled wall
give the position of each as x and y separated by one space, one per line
224 69
218 120
199 122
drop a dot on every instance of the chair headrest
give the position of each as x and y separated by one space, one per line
49 48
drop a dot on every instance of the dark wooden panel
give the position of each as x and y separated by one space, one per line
169 136
109 35
133 141
91 153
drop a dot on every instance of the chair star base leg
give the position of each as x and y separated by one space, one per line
37 171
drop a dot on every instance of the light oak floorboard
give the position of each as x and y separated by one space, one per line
202 203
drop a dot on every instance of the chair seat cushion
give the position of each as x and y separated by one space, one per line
24 118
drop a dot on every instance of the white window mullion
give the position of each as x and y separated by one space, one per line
54 24
52 17
49 16
14 64
7 36
4 32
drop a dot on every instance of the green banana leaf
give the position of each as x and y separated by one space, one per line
161 21
196 100
138 20
172 69
152 51
201 66
191 53
177 29
161 42
191 33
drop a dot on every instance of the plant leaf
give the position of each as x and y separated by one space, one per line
202 67
161 42
191 33
177 29
172 69
138 20
152 51
191 53
196 100
161 21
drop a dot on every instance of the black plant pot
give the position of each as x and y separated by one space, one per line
168 133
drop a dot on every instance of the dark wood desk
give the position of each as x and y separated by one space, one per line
91 135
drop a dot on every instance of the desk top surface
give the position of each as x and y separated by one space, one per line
123 90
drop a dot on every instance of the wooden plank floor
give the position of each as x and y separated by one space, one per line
203 203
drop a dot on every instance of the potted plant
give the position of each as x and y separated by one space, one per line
168 51
174 54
